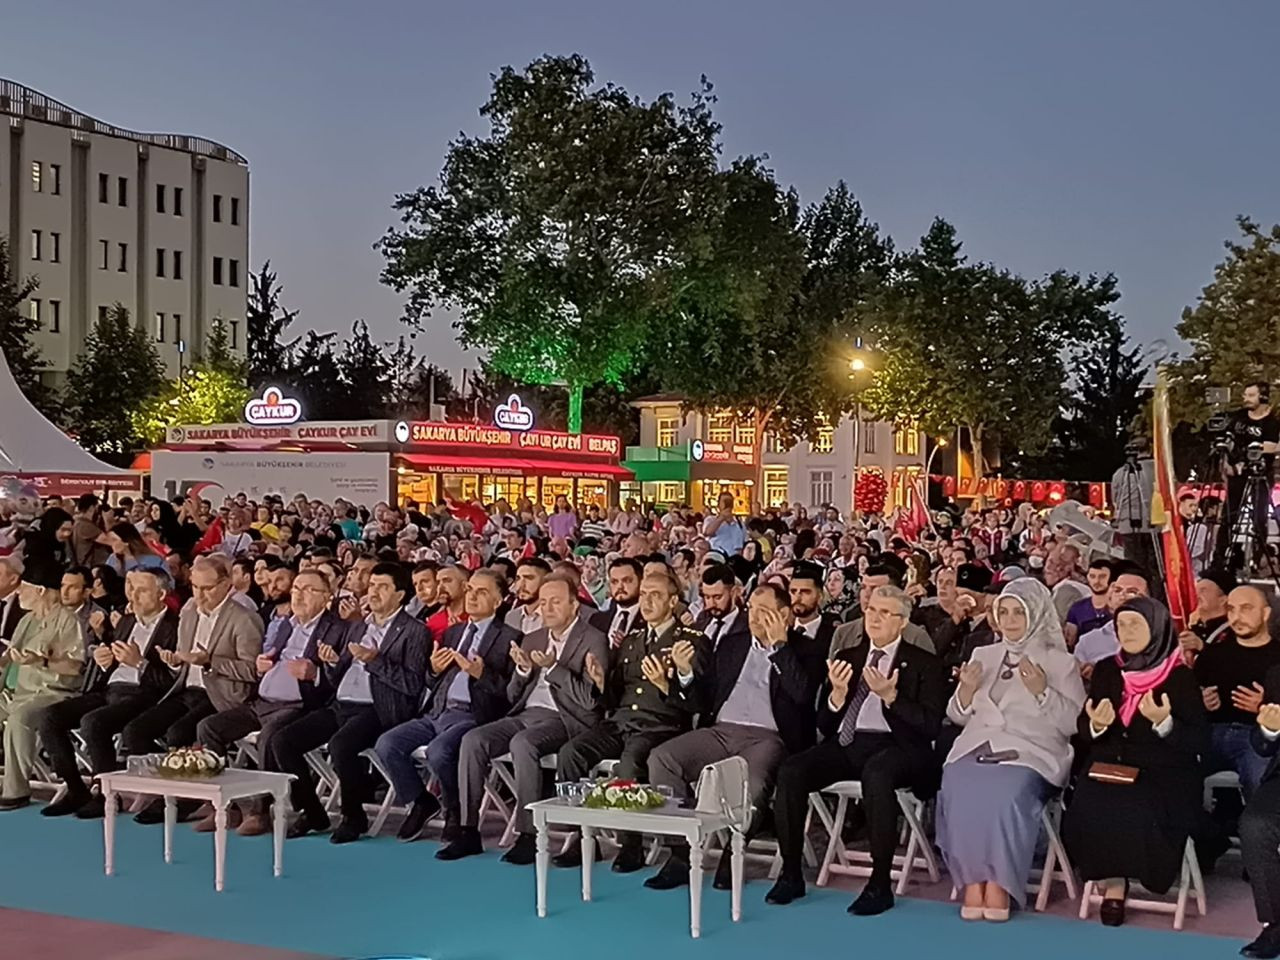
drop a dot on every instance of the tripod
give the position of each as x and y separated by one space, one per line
1243 546
1141 540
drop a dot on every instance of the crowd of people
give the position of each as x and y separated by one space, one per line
985 660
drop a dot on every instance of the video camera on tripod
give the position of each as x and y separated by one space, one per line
1223 445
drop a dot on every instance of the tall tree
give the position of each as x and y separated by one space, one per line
17 332
366 376
555 239
266 322
315 377
211 391
115 375
1234 329
969 345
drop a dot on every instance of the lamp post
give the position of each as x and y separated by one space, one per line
859 362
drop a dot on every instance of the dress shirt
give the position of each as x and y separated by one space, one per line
871 716
277 684
203 639
7 606
750 703
810 629
717 627
355 687
624 618
529 622
141 637
541 696
1098 644
460 686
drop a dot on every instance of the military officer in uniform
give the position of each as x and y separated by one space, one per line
638 714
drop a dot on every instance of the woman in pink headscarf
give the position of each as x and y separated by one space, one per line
1139 792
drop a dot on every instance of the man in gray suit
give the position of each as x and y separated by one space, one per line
552 701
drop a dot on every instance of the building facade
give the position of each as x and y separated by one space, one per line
158 223
692 457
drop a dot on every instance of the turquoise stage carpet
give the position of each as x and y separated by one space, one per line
381 898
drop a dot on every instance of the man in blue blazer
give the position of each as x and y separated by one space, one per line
377 682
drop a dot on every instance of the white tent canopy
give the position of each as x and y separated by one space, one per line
31 447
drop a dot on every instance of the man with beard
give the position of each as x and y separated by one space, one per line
1091 612
816 628
970 625
276 590
624 590
424 602
1208 621
451 593
524 616
722 615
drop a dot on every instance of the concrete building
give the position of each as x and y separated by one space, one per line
691 457
156 222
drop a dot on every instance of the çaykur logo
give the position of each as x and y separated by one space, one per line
273 407
513 415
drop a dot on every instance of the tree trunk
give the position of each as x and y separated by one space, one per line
575 408
979 461
757 491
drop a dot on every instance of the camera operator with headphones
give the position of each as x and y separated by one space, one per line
1254 434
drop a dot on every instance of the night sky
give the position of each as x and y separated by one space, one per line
1094 136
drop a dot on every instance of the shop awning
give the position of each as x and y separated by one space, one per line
513 466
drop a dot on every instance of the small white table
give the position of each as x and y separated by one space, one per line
672 821
228 786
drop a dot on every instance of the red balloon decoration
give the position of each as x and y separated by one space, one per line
873 491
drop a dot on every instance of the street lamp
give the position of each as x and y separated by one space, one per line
858 363
938 444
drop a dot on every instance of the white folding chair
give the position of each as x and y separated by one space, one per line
327 789
247 753
838 859
1191 882
1056 868
502 774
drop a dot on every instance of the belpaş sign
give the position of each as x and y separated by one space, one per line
272 408
513 415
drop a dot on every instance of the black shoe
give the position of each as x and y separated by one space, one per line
468 844
1266 946
784 891
1112 913
452 825
415 824
572 857
348 831
874 899
631 857
524 851
68 804
724 872
317 821
15 803
153 812
674 873
94 809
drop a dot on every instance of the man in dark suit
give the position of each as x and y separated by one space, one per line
377 681
292 683
756 697
10 609
552 700
881 709
125 676
722 614
640 714
814 629
467 686
1260 826
623 614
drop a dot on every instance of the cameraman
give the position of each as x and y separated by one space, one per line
1253 426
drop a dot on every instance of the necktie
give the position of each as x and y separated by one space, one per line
718 625
849 725
468 640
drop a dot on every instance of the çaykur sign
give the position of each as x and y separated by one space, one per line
513 415
272 408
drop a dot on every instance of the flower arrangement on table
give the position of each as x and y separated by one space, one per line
623 795
190 763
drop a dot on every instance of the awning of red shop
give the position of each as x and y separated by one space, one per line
514 466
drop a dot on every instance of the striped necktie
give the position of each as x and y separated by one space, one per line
849 725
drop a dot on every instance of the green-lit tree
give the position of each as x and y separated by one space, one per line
557 238
116 374
1234 328
17 332
212 390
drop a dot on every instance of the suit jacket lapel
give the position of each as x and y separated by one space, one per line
486 639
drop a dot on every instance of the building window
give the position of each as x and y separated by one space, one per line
234 325
775 486
906 440
670 492
35 309
55 248
37 245
217 208
235 211
720 428
55 175
177 327
159 198
123 265
668 431
868 436
159 261
825 442
177 201
104 184
217 270
820 485
122 191
55 316
177 264
104 249
102 313
233 271
160 328
744 432
37 176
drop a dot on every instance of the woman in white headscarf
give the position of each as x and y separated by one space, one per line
1017 702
